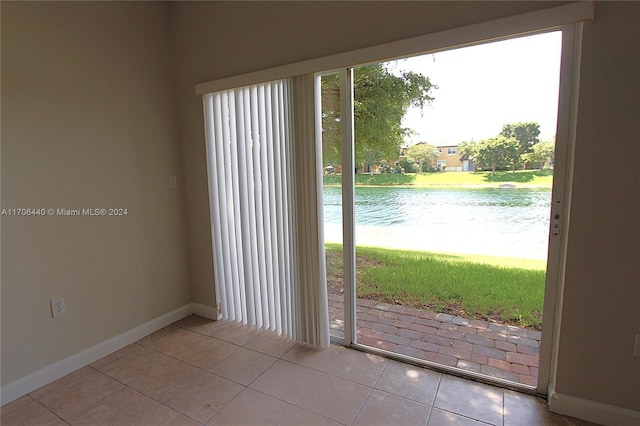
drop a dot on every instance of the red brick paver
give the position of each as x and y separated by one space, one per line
496 350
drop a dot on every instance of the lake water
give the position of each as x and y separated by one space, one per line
496 222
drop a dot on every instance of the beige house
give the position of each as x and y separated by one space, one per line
99 110
448 158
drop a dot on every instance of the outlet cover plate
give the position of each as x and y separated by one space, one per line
57 307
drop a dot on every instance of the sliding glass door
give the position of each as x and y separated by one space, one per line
446 220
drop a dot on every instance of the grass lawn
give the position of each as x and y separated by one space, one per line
521 179
503 290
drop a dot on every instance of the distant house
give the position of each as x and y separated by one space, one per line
449 158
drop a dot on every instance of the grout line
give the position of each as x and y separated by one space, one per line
435 396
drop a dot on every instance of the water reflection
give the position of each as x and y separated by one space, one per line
500 222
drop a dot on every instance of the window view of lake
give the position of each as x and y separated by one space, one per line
495 222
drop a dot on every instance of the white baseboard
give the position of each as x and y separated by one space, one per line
593 411
50 373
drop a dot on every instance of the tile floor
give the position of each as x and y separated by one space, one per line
197 371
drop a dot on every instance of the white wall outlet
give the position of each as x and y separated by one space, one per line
173 181
57 307
636 350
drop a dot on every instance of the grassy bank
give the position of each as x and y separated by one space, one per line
521 179
505 290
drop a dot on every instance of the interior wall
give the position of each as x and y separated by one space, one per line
601 313
88 121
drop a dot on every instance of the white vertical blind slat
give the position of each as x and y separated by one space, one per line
250 226
274 188
257 190
223 263
234 212
214 203
267 194
245 210
227 216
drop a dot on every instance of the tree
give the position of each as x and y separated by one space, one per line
540 153
422 154
525 133
381 99
498 152
467 149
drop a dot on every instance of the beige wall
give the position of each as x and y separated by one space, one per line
88 120
602 294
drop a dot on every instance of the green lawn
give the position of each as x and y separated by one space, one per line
521 179
505 290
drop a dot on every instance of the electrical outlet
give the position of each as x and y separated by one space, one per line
57 307
636 350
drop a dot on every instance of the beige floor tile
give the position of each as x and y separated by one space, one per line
409 382
445 418
357 366
470 399
146 341
171 376
127 407
14 405
244 366
194 348
139 362
525 410
191 321
251 408
336 398
154 374
271 344
207 326
382 408
133 363
309 356
204 397
286 381
231 332
113 356
77 395
28 412
297 417
60 383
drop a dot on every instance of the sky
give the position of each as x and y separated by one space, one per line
480 88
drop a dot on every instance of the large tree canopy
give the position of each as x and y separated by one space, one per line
525 133
540 154
422 154
498 152
381 99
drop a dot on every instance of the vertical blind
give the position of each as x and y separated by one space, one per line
256 222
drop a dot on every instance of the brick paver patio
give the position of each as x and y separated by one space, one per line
496 350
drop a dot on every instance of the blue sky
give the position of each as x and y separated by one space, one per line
480 88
